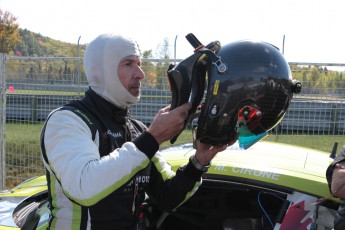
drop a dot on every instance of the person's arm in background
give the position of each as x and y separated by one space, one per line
336 181
335 175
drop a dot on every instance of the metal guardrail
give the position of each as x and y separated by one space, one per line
303 115
37 107
315 116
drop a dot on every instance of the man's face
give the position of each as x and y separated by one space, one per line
130 74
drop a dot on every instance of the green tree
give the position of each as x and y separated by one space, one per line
9 36
150 69
147 54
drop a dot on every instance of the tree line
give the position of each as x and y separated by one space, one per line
319 80
15 41
22 42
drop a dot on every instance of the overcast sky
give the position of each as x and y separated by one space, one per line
313 29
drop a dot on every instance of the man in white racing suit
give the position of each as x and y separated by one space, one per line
99 161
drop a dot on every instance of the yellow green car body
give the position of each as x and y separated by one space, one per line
292 178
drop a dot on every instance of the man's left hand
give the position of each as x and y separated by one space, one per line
205 153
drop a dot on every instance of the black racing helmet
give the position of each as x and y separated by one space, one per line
248 91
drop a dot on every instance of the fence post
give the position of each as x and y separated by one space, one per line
34 110
2 122
334 119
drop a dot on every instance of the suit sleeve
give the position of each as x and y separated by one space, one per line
170 189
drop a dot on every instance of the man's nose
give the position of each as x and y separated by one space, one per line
140 73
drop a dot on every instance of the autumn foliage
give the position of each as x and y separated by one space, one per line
9 36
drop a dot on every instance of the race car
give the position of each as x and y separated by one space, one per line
25 206
267 186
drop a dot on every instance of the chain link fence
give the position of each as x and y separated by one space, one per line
31 87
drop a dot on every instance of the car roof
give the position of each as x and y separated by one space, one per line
274 164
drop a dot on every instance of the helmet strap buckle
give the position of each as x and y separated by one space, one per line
221 67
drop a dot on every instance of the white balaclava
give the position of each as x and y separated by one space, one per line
101 62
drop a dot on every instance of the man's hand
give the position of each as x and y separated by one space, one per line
338 181
166 124
205 153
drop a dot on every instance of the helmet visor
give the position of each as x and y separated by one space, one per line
246 141
248 127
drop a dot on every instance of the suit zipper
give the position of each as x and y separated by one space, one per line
136 187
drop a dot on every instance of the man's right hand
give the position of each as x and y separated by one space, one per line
168 123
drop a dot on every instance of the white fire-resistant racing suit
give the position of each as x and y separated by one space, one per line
97 178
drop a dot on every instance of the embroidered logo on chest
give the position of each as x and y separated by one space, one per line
115 135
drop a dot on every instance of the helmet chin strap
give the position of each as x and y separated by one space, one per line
210 51
215 60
